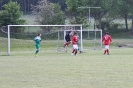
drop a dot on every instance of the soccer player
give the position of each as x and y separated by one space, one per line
75 43
37 40
68 38
107 40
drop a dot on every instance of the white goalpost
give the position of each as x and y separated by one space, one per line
55 31
53 35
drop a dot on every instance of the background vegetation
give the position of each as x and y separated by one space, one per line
114 16
103 17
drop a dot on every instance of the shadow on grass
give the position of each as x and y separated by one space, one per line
5 55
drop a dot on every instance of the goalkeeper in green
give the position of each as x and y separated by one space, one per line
37 40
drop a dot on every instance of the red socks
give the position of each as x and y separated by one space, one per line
106 51
66 44
75 51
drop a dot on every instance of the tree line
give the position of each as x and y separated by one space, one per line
56 11
25 5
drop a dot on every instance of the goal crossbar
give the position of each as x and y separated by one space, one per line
45 25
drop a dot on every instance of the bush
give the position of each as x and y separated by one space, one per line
113 26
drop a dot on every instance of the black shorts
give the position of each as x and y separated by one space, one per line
68 40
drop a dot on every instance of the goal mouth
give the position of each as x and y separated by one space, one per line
53 35
92 39
19 38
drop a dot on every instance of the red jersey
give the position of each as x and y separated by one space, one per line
107 39
74 40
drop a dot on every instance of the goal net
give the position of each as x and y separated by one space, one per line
20 37
92 39
3 41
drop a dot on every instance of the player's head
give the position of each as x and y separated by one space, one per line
107 33
71 29
39 34
75 33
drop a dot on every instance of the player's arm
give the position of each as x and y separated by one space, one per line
71 33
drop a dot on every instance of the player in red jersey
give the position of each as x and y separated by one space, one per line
107 40
75 43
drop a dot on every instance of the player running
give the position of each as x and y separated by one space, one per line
37 40
107 40
74 43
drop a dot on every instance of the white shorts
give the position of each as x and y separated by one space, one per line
75 46
106 46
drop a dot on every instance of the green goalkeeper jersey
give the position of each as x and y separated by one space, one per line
37 40
78 40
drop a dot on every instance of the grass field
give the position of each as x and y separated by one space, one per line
51 69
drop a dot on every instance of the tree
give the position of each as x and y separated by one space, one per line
48 13
1 3
24 5
11 15
75 15
61 2
121 9
99 13
96 13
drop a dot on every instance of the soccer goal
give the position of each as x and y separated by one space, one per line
92 39
20 37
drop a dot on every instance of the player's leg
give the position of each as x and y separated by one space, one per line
65 42
106 49
75 49
37 49
79 49
68 41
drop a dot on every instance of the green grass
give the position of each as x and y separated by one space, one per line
50 69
